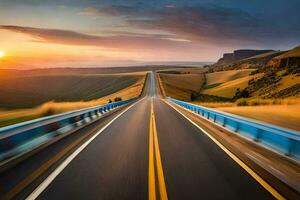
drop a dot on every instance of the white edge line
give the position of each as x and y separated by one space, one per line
229 153
67 161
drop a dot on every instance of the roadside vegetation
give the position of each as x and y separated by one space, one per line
116 88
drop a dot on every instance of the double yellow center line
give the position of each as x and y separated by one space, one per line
154 155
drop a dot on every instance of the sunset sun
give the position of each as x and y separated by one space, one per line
2 54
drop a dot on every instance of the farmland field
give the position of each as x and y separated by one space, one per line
181 86
30 91
229 88
224 76
30 96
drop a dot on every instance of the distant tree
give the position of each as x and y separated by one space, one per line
241 94
118 99
245 94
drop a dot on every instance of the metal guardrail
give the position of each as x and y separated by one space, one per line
24 137
281 140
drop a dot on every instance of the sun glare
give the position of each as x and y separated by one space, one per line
2 54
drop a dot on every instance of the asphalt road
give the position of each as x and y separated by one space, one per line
149 149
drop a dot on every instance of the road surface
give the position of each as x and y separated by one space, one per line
146 151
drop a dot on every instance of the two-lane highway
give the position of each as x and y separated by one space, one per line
150 151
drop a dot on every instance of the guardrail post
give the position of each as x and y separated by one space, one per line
91 114
224 122
290 147
214 117
237 127
257 135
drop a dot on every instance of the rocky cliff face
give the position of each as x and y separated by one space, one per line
263 60
290 58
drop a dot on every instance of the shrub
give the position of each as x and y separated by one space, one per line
242 102
254 72
193 96
241 94
47 112
118 99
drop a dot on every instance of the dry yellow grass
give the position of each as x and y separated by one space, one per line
59 107
251 102
280 112
181 86
287 116
215 104
229 88
161 87
224 76
259 102
288 81
292 53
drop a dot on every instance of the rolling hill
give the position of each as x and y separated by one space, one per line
32 89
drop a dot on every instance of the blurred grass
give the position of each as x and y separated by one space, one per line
9 117
7 122
280 112
260 102
285 115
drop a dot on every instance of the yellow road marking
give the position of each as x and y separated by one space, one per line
259 179
160 174
151 178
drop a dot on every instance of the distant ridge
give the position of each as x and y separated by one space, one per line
257 59
240 54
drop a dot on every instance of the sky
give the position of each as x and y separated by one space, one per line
97 33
